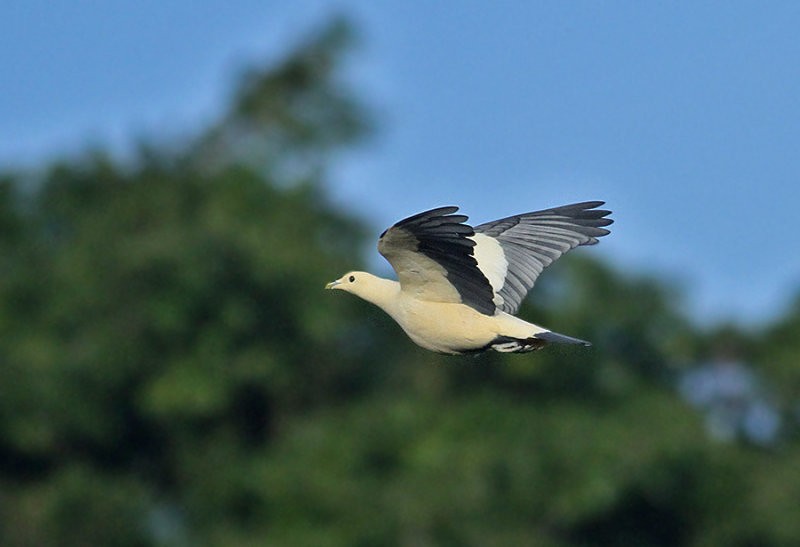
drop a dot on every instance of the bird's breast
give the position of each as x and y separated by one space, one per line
443 326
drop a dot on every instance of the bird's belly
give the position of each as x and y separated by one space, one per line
445 327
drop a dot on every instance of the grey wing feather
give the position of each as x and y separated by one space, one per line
533 241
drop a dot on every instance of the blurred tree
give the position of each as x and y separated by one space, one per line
779 355
161 321
172 374
288 117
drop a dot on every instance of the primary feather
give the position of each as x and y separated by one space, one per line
533 241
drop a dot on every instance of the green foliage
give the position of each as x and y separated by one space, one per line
171 372
778 355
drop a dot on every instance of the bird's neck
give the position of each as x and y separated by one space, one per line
383 293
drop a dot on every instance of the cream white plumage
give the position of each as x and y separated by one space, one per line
459 286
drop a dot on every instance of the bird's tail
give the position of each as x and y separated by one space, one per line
554 337
508 344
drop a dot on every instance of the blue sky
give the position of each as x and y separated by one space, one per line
683 116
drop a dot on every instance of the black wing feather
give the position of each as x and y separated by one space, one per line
442 236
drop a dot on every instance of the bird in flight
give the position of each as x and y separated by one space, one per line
459 287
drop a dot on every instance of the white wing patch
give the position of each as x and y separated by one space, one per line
491 262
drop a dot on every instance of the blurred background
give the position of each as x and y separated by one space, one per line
178 182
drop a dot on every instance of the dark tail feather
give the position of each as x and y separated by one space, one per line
557 338
507 344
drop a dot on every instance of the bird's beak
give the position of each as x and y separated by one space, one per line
332 284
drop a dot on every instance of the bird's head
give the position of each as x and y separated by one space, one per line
362 284
354 282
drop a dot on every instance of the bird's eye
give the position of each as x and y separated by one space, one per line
352 278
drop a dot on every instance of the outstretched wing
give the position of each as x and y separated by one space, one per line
513 251
433 255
